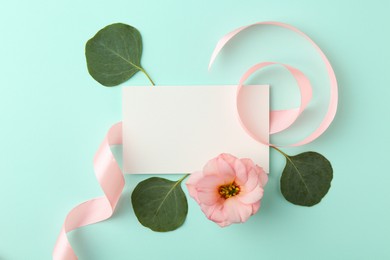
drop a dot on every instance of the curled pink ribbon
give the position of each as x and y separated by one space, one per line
110 176
111 180
282 119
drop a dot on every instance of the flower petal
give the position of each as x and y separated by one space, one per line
235 211
207 209
214 212
211 182
255 207
248 163
224 223
263 175
252 182
231 210
207 189
241 172
211 167
191 184
225 171
230 159
251 197
209 197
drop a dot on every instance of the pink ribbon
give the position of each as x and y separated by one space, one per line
111 180
110 176
282 119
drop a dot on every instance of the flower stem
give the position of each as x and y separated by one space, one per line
147 75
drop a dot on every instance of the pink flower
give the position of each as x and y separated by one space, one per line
228 189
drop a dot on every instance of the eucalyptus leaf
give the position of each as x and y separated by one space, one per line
160 204
306 178
114 54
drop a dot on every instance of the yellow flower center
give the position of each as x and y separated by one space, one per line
229 190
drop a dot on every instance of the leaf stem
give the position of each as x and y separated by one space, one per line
183 178
147 75
285 155
280 151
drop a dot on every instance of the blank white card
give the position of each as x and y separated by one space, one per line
177 129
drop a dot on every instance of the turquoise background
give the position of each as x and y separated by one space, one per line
54 116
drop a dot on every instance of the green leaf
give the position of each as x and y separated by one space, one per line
114 54
306 178
160 204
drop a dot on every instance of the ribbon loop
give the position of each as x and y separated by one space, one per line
282 119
